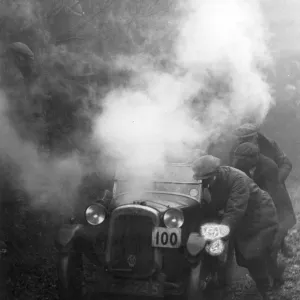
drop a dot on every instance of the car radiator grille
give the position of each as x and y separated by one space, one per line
131 252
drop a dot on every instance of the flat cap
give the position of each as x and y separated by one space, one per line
246 150
206 166
246 130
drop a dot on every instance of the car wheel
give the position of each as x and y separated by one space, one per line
70 276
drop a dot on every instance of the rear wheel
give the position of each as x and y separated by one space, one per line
70 276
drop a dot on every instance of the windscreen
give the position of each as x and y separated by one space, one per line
169 173
174 178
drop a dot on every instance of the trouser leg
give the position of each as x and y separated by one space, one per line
286 250
259 273
280 242
227 263
275 269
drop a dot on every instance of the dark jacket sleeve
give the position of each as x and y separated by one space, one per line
268 170
268 179
237 202
283 163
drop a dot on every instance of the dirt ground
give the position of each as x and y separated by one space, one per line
245 286
291 288
36 279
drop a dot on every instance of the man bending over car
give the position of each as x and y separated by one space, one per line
250 133
264 172
248 211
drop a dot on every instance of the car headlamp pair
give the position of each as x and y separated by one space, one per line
214 233
210 238
95 214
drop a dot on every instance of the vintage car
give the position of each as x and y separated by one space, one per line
152 242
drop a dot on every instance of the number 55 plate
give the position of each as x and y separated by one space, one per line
166 237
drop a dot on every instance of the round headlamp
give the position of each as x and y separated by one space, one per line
95 214
214 231
173 218
215 248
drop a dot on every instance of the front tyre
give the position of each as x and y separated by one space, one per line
70 276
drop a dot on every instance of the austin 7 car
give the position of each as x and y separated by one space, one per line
152 241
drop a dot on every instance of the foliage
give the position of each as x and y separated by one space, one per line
87 44
72 45
283 121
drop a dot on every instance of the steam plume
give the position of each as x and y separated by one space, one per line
45 179
216 81
213 81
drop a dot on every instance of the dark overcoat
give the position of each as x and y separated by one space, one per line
270 149
248 211
266 176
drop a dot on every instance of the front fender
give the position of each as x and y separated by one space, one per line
67 234
70 275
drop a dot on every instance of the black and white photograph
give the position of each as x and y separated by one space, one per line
149 149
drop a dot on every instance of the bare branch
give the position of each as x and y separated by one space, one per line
65 40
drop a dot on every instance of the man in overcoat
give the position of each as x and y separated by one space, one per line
264 172
269 148
248 211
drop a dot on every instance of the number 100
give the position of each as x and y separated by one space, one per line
165 239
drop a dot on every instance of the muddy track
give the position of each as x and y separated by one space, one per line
241 285
37 280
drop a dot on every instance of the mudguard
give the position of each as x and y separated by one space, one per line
68 259
67 234
70 274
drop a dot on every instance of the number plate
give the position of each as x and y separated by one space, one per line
133 287
166 237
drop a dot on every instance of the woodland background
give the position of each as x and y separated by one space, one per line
84 36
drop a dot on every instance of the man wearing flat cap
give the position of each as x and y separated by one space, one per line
264 172
261 169
269 148
248 211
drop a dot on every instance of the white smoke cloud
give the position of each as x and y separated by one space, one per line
213 81
230 39
218 42
51 183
